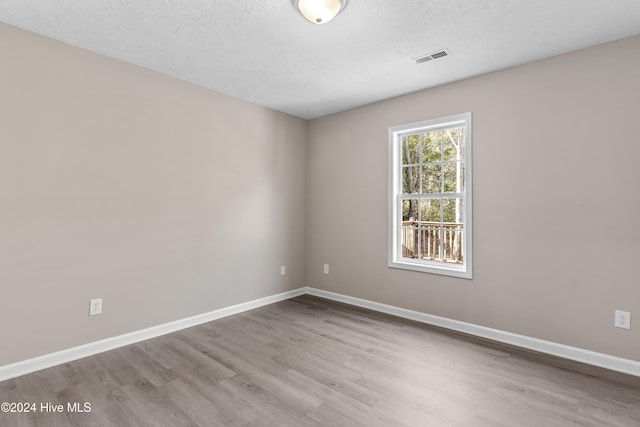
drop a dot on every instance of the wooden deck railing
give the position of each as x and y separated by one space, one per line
433 241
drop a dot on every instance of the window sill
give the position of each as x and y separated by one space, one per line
463 272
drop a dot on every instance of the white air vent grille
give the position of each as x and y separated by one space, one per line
431 56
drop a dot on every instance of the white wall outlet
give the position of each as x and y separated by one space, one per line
325 269
283 270
623 319
95 307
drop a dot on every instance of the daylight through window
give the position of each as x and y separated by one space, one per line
430 196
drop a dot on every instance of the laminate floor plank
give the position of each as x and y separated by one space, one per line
115 407
272 402
76 395
224 407
119 368
155 407
148 368
194 404
312 362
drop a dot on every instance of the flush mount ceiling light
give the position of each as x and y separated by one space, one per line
320 11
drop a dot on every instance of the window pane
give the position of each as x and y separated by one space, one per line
453 144
431 179
409 212
429 212
432 147
449 210
410 149
453 230
409 243
454 177
410 179
429 242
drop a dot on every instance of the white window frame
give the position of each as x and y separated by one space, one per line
396 260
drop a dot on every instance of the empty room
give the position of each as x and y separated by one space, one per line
319 213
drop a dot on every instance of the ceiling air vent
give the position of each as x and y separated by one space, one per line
431 56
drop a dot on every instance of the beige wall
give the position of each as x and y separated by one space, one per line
556 200
165 199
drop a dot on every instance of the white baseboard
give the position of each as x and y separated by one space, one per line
64 356
573 353
602 360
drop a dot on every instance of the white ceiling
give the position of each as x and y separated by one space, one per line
263 51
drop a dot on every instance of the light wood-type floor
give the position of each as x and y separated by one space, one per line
312 362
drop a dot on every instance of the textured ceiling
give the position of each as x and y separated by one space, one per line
265 52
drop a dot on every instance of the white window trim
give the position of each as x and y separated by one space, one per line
395 260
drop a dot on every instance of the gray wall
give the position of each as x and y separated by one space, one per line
165 199
556 200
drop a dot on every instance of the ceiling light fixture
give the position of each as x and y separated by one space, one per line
320 11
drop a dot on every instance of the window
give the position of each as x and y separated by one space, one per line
430 196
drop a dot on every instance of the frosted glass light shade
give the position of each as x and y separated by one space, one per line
320 11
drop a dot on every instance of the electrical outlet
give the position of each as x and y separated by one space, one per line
95 307
325 269
623 319
283 270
